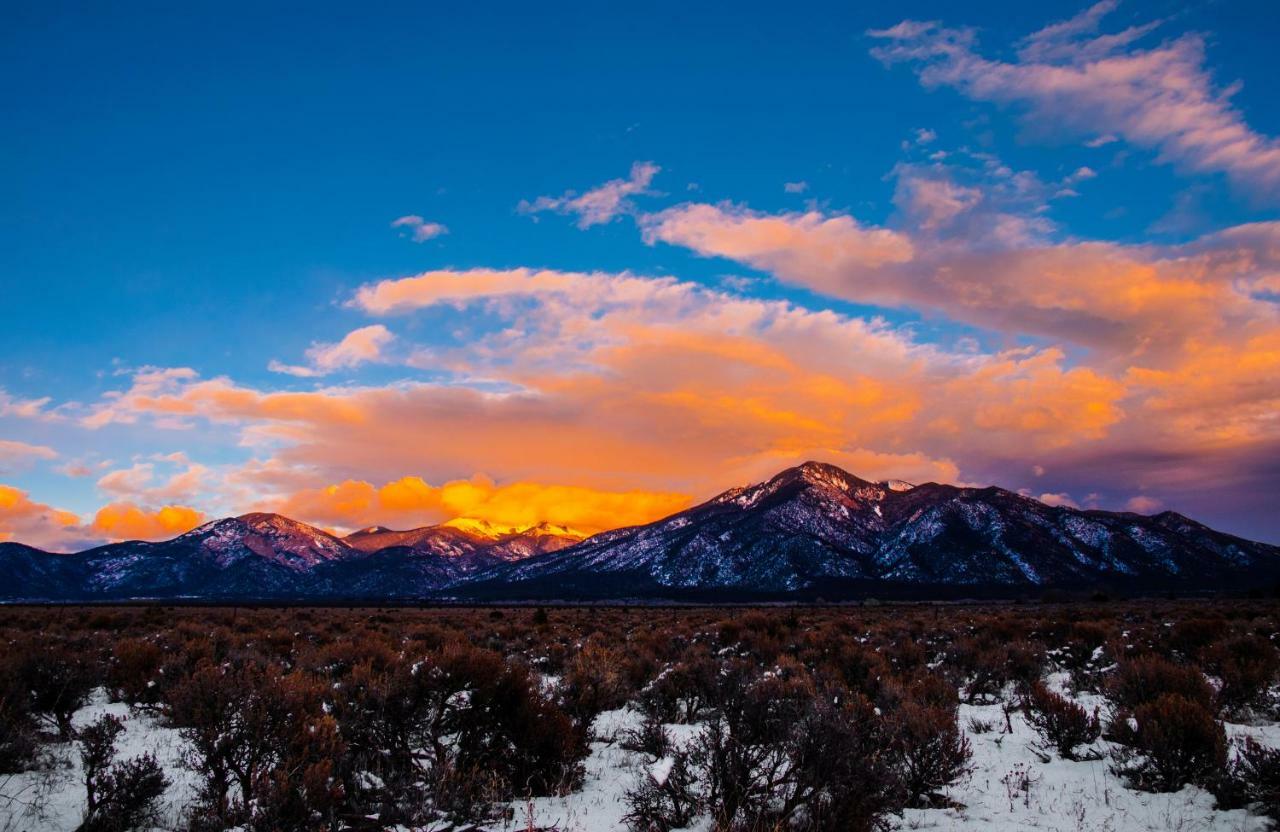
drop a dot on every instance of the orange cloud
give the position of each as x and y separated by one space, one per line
1121 299
411 502
126 521
35 524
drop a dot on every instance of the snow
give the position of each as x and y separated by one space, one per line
1015 783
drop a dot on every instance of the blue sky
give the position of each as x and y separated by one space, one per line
206 187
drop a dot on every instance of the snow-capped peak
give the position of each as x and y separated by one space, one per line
479 528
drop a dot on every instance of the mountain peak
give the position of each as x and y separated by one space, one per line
368 530
479 528
822 475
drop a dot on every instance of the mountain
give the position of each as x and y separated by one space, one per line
268 556
819 529
813 530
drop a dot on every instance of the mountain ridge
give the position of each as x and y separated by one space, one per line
813 529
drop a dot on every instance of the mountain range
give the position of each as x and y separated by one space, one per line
810 531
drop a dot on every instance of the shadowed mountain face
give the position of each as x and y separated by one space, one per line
813 528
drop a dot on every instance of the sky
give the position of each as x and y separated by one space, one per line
592 264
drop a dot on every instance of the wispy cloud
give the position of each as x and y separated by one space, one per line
601 204
1101 86
20 454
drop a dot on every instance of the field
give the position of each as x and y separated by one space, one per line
1107 716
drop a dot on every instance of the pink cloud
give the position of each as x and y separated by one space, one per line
601 204
360 346
1102 86
419 229
15 454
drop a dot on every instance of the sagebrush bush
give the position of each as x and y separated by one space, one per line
1254 779
119 796
666 797
1168 743
933 751
19 743
1062 723
1247 667
1144 679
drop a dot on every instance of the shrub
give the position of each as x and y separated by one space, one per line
1190 635
1255 776
59 681
1144 679
649 738
684 692
18 728
249 726
933 751
1063 723
593 681
1247 666
119 796
782 756
135 671
451 732
1168 743
666 797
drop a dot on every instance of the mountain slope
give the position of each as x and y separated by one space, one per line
817 525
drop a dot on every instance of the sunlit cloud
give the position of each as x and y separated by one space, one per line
361 346
36 524
410 502
126 521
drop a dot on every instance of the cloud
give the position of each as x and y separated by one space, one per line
975 262
419 229
1071 79
410 502
796 187
598 205
1058 500
126 521
35 524
1142 504
141 482
23 408
14 453
360 346
575 385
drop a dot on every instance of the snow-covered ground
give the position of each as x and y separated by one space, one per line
1015 784
52 799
